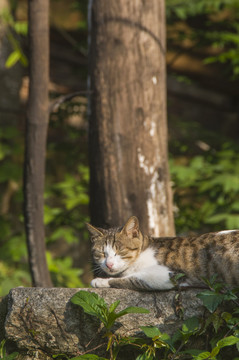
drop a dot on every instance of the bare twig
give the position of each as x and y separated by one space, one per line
61 99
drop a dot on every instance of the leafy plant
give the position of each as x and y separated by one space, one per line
96 306
66 207
221 328
3 353
14 29
13 256
211 181
218 30
62 271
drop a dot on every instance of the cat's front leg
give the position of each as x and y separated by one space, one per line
121 283
156 277
100 282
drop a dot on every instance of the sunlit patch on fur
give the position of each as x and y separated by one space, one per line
224 232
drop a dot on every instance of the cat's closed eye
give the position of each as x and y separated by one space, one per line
126 257
98 254
126 252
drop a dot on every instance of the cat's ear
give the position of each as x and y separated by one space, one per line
93 230
131 228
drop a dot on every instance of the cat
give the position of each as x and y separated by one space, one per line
131 260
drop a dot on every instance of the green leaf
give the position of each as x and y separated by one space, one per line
60 356
214 352
112 316
111 319
193 352
13 58
21 27
2 348
11 356
3 355
94 305
226 316
215 219
178 276
50 214
210 299
145 357
114 306
91 303
151 331
88 357
177 336
203 355
232 221
216 321
228 341
159 339
190 325
65 232
23 60
133 310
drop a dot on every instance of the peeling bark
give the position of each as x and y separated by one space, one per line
128 129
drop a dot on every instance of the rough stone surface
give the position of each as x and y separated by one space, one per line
44 321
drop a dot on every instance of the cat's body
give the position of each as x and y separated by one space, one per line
131 260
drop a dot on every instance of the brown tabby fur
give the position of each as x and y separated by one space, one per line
197 257
200 256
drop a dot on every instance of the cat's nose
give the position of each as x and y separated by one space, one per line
109 265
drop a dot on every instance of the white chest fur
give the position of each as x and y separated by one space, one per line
146 259
145 269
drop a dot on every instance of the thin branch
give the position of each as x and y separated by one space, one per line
71 41
61 99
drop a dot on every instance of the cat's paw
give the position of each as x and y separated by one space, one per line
99 282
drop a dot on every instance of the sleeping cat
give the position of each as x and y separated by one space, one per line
134 261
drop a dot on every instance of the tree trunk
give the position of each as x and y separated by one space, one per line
36 133
128 128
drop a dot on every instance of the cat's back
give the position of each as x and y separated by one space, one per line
201 256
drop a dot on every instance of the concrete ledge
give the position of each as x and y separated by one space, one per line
45 321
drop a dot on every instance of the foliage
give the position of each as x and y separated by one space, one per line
64 218
96 306
82 7
66 195
207 189
219 327
3 353
13 261
62 271
211 23
14 30
66 203
206 183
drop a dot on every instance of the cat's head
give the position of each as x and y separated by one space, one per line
114 250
